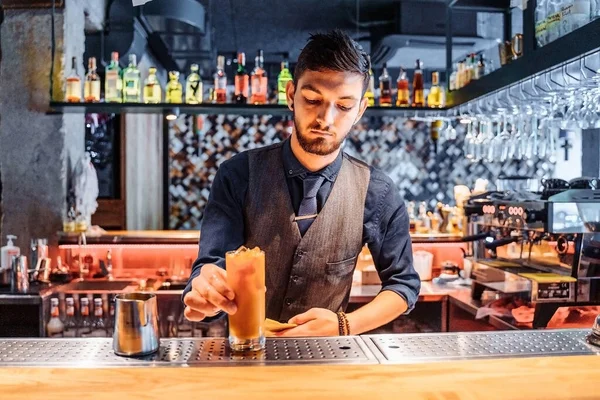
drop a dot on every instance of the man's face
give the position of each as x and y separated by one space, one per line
325 104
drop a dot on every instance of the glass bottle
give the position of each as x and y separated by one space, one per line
241 80
540 23
282 80
453 77
73 92
91 88
113 84
193 86
474 68
481 70
131 82
581 13
418 99
434 99
85 324
220 91
152 89
174 90
424 225
370 92
385 88
55 327
460 76
98 324
403 99
70 321
258 80
554 16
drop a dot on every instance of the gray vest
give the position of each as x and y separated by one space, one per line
314 270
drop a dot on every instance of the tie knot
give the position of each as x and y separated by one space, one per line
311 185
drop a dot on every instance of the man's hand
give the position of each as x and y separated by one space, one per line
314 322
210 294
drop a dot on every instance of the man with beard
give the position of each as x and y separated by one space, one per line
311 208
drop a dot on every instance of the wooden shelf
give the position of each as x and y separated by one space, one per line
566 48
209 108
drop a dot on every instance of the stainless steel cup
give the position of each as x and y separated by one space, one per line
136 324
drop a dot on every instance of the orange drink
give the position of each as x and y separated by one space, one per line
246 276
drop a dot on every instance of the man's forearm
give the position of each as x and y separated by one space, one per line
384 308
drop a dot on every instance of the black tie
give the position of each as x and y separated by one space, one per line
308 207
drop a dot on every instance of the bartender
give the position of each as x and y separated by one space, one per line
311 208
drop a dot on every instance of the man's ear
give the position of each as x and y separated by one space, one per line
363 106
290 90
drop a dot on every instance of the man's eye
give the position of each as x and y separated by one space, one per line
309 101
345 108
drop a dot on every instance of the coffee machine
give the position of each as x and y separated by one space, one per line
544 247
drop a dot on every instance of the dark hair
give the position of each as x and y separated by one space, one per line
335 51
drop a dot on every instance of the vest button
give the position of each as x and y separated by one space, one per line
288 301
295 278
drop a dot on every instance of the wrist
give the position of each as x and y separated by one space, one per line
353 324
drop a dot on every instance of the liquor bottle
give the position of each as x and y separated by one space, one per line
174 90
55 327
283 78
152 89
110 323
454 77
70 322
113 85
193 86
474 69
98 324
481 67
468 74
541 32
370 92
91 87
85 324
460 76
73 92
403 99
131 82
220 81
553 20
241 80
258 81
385 88
418 99
434 98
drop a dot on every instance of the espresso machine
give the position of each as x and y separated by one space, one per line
543 247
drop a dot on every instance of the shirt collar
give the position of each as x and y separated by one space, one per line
293 167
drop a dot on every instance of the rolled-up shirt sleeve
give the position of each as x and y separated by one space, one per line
386 232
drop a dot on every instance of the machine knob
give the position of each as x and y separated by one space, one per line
562 245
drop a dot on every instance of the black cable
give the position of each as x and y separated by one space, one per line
52 50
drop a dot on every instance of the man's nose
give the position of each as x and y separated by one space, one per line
326 115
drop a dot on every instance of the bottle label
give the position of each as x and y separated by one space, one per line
92 91
540 28
98 312
74 90
113 85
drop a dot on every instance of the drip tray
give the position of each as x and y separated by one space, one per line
400 349
184 352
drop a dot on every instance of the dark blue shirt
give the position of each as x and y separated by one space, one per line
385 222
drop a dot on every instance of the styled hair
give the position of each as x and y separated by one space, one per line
335 51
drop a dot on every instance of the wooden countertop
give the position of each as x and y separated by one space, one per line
515 378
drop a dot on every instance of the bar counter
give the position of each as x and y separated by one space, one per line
542 364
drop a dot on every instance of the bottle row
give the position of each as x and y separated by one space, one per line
125 85
404 97
467 70
81 321
556 18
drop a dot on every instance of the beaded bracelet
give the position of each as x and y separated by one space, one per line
343 325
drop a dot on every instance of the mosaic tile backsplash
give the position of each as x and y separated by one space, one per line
400 147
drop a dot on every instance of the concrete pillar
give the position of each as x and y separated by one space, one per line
37 150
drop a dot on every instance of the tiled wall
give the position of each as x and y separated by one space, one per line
400 147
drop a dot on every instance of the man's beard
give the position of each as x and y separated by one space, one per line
318 146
